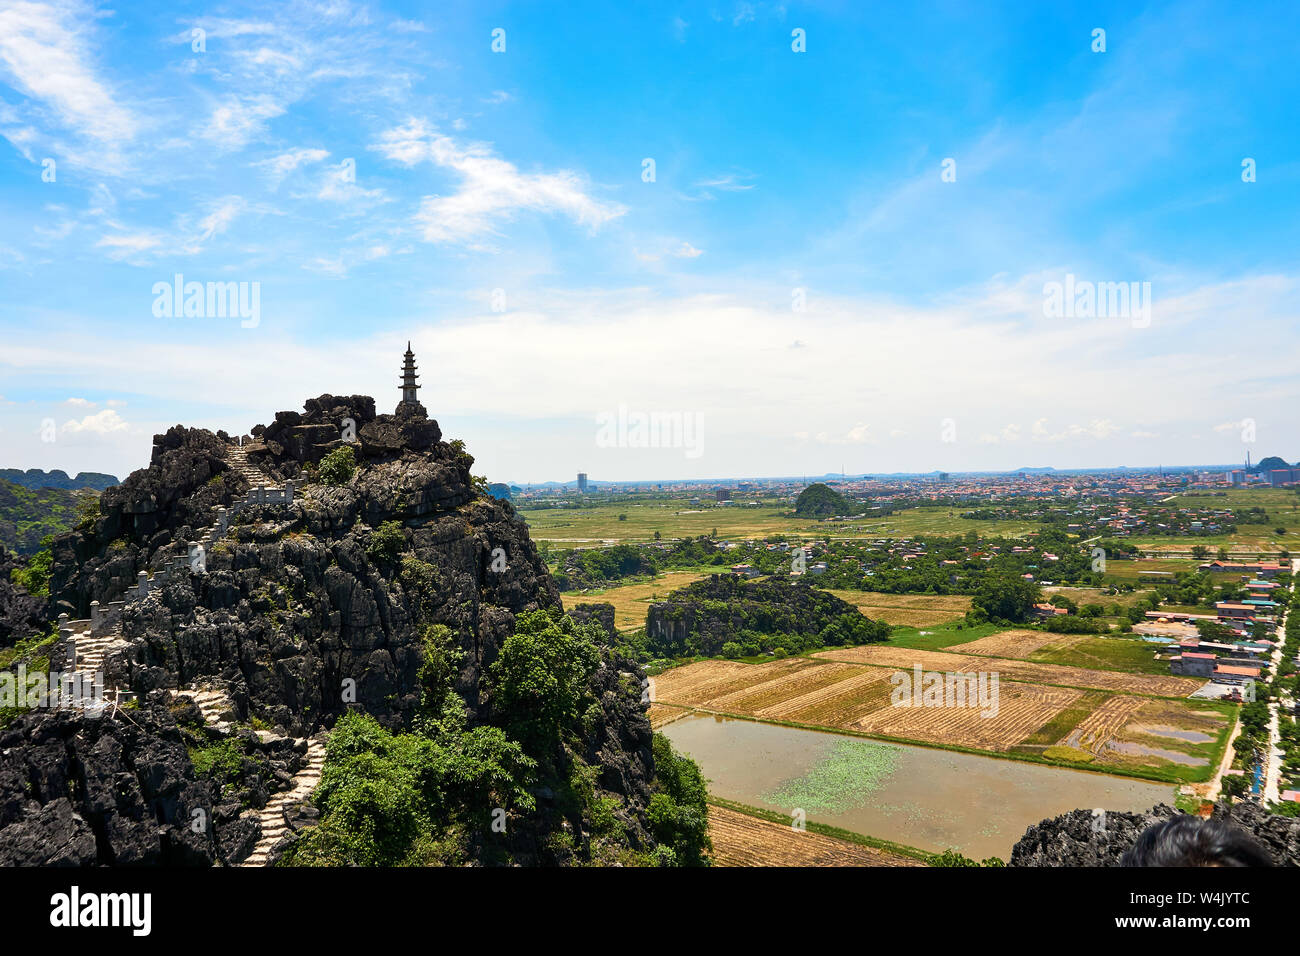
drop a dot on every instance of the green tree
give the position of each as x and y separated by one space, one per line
34 577
338 467
1005 597
386 541
539 678
679 810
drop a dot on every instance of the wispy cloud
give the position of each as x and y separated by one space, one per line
285 163
45 53
491 191
235 121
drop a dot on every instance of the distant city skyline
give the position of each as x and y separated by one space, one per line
797 236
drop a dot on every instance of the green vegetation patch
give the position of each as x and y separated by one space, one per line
1069 754
1105 653
940 636
844 778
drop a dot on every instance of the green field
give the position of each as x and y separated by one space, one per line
1104 653
1281 504
1131 571
1082 596
941 637
676 518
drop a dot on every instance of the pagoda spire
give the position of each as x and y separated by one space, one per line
409 377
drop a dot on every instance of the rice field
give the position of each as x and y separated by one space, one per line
1067 714
740 839
677 518
908 610
907 658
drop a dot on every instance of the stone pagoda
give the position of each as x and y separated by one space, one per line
408 379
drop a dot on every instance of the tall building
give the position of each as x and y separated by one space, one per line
582 482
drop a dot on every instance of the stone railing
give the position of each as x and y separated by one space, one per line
105 621
262 495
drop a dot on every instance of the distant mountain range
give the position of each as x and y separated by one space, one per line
35 479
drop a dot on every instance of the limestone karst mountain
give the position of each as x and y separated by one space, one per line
241 597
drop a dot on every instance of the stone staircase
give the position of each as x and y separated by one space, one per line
272 817
89 640
265 491
92 647
212 702
86 642
237 458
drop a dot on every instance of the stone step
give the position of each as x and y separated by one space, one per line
271 817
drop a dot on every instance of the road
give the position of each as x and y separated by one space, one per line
1274 755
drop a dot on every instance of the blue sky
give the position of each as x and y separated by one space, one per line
382 174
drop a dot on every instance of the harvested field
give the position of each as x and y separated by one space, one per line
777 690
695 684
1109 725
743 840
908 610
663 714
901 657
1018 644
837 704
926 602
858 698
1021 709
1103 723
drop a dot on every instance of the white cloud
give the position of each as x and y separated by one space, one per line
491 191
219 220
45 53
285 163
101 423
125 245
236 121
728 358
339 184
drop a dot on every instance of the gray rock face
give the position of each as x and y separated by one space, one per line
300 615
21 614
1078 838
76 791
602 613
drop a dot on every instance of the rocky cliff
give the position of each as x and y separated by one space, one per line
1080 838
21 614
303 611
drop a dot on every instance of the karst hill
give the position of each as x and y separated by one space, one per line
335 579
